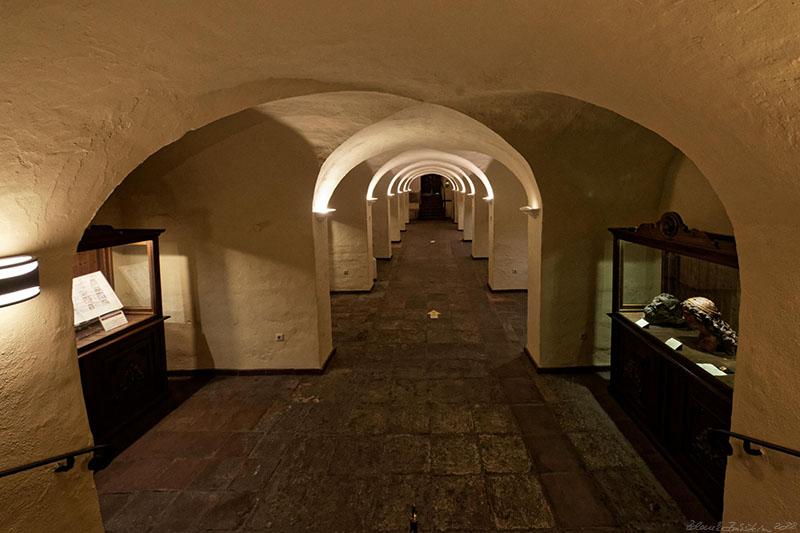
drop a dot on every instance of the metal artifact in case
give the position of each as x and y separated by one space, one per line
673 383
121 354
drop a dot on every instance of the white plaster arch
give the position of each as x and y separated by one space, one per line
454 172
400 176
428 156
457 180
419 129
406 184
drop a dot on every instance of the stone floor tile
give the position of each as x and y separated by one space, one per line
229 511
553 453
325 417
409 419
581 415
503 454
180 472
271 445
185 511
520 390
142 512
369 419
394 497
451 418
239 444
494 418
357 455
518 502
601 449
217 474
536 419
576 500
635 496
460 503
253 474
285 505
310 454
406 454
354 448
139 474
110 504
455 455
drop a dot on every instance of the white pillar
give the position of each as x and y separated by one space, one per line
394 217
480 223
469 208
462 199
508 254
350 234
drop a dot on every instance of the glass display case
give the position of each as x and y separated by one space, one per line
653 283
119 326
675 318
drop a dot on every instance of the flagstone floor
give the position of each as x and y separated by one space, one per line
446 414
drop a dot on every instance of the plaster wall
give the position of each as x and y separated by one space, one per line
42 393
469 208
688 192
508 253
394 217
449 203
404 206
595 170
460 205
379 211
480 219
349 233
238 256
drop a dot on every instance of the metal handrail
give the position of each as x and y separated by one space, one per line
95 463
749 441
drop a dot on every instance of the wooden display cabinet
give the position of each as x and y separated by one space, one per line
123 370
671 397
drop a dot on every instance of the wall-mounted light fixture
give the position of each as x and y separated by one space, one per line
531 211
19 279
324 214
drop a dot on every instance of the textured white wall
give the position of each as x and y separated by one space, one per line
469 222
688 192
508 254
239 247
348 236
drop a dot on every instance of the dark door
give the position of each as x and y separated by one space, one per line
431 204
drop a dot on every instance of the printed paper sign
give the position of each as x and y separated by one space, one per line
113 320
711 369
673 343
93 297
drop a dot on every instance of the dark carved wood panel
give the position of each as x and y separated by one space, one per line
123 379
673 406
635 375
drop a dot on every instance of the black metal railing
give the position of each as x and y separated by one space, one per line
748 442
100 460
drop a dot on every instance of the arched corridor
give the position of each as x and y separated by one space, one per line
447 414
217 125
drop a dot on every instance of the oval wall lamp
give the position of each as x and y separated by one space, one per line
19 279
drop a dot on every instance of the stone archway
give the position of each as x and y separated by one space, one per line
710 78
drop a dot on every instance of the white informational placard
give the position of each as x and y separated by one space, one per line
642 323
711 369
113 320
673 343
93 297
